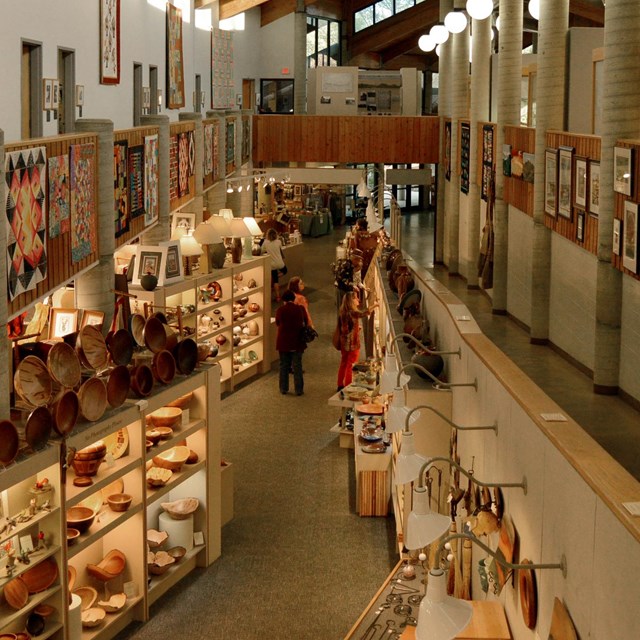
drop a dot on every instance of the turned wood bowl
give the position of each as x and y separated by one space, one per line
41 576
87 595
155 337
9 442
120 344
156 538
91 347
141 380
119 502
16 593
35 624
172 337
92 399
163 366
96 450
172 459
161 563
80 518
137 323
64 365
177 553
37 428
64 411
32 381
118 384
158 476
182 402
186 355
93 617
72 535
114 603
154 435
111 566
181 509
166 417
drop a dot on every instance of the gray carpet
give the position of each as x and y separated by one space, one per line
297 562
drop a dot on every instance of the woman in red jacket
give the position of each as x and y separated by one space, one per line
290 320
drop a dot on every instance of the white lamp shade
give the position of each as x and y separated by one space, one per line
189 247
408 462
362 190
205 234
389 381
439 33
390 363
220 225
239 229
226 213
441 617
398 412
455 21
534 9
426 43
423 525
253 226
479 9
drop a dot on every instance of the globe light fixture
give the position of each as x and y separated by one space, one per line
438 48
426 43
455 21
439 33
534 9
479 9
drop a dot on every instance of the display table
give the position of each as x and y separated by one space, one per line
315 224
294 259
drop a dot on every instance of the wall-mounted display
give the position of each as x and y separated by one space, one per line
55 95
565 183
175 70
183 164
593 192
551 181
465 153
150 261
446 152
121 186
47 94
528 167
62 322
580 226
79 95
581 181
617 235
58 176
630 242
109 41
506 160
83 203
222 90
622 168
173 167
136 180
151 179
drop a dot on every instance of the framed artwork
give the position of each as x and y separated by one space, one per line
630 237
175 70
528 167
581 182
79 95
181 220
551 182
121 186
135 160
173 264
47 94
465 154
506 160
486 179
55 95
84 220
593 192
487 144
95 318
173 167
146 97
183 164
109 41
58 176
62 322
517 163
622 168
150 260
565 182
151 179
580 227
231 145
617 235
447 150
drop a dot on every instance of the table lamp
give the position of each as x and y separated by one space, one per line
189 248
208 236
239 230
255 230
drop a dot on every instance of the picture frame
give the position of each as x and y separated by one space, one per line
150 260
173 265
617 236
79 95
62 322
630 237
565 181
593 191
109 41
55 94
551 182
146 97
581 182
622 170
580 226
47 94
528 167
92 317
182 220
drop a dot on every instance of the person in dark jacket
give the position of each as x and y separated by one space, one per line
290 320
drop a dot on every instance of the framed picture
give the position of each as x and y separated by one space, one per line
297 190
528 167
79 95
146 97
565 182
622 168
581 181
62 322
55 99
551 182
150 260
184 221
109 41
506 160
630 237
173 265
617 235
447 150
95 318
47 94
580 227
593 192
465 155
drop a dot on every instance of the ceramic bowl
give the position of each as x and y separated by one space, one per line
158 476
64 411
32 381
64 365
72 535
172 459
92 398
80 518
111 566
119 501
93 617
254 307
166 417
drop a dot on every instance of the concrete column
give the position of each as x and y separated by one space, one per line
444 111
216 197
552 37
93 289
198 202
620 119
162 230
300 59
480 85
509 80
5 354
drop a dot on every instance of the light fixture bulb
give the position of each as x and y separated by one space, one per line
534 9
438 49
439 33
498 23
229 189
426 43
455 21
479 9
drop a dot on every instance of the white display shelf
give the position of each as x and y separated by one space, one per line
213 305
35 558
113 623
250 316
246 292
247 344
105 476
159 585
8 615
25 526
154 494
215 332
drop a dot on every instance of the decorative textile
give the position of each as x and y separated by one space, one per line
121 187
58 175
208 149
447 150
231 145
173 167
109 41
26 219
183 164
192 152
175 72
151 177
216 160
465 153
246 139
136 180
222 88
83 201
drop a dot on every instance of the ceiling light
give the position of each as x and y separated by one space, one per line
438 48
479 9
455 21
439 33
534 9
498 23
426 43
229 188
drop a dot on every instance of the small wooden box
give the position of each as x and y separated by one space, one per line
226 492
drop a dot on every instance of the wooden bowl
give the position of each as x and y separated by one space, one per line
166 417
155 337
9 636
9 442
119 502
118 384
92 348
154 435
64 365
182 402
158 477
16 593
97 450
186 355
120 345
86 468
114 603
64 412
32 381
156 538
72 574
37 428
172 459
141 380
181 509
161 563
45 610
111 566
93 617
137 328
80 518
92 398
177 553
41 576
87 595
172 337
528 595
163 366
35 624
72 535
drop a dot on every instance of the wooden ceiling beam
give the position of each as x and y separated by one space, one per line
588 11
275 9
230 8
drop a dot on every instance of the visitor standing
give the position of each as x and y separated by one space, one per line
290 320
272 247
297 286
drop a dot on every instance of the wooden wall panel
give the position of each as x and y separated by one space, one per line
60 267
355 139
174 129
517 192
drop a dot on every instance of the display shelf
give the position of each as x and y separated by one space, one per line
35 558
104 477
159 585
27 466
246 291
182 434
25 526
178 477
213 306
8 615
214 333
113 623
246 372
247 344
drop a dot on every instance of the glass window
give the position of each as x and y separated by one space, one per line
323 42
364 18
276 96
334 44
383 10
401 5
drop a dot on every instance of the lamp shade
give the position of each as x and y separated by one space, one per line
398 412
423 525
189 247
426 43
455 21
220 225
439 33
441 617
408 462
389 381
226 213
239 229
204 233
479 9
253 226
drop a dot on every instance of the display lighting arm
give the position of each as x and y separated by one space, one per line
441 385
407 421
431 352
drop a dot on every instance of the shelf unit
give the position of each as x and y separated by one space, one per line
216 318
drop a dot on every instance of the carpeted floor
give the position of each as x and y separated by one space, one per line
297 562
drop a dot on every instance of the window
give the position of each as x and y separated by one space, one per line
276 96
379 11
383 10
363 19
323 43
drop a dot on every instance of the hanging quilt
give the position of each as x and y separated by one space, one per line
151 176
109 41
216 160
58 175
208 149
121 187
175 72
26 219
173 167
136 180
83 201
192 152
183 164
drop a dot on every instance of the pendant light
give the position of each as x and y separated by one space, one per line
426 43
479 9
534 9
439 33
455 21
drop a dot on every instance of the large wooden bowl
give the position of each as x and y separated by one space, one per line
92 348
137 328
118 385
92 398
16 593
9 442
172 459
87 595
80 518
120 345
158 476
32 381
141 380
37 428
119 501
41 576
111 566
64 365
163 366
64 411
186 355
182 402
155 337
166 417
181 509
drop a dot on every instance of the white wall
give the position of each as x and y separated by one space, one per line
630 337
519 265
276 48
247 52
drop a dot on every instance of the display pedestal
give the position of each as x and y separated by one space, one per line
180 531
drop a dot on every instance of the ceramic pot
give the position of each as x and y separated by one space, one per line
148 282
